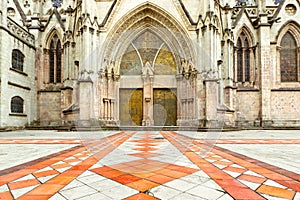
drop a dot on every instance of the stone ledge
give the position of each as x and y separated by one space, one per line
18 114
18 71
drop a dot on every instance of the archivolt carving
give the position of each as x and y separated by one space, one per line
147 17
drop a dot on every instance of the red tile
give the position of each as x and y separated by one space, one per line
34 197
275 191
254 179
235 169
23 184
142 185
290 184
140 196
101 169
61 179
6 196
182 169
171 173
161 179
126 178
112 173
45 173
243 193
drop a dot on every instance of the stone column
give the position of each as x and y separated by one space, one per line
264 64
148 101
85 101
211 90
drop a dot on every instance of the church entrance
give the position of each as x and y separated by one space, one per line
131 107
148 76
164 107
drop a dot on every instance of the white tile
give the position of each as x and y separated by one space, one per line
73 184
186 196
58 163
273 183
97 165
45 169
180 185
91 178
220 166
201 173
297 196
57 196
78 192
61 170
251 185
46 178
205 192
233 174
237 166
212 184
225 197
27 177
19 192
195 179
120 192
96 196
104 185
4 188
86 173
163 192
249 172
74 163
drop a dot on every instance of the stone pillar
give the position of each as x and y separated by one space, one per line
148 101
211 91
265 69
85 102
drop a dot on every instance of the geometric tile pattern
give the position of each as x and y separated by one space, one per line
147 165
240 176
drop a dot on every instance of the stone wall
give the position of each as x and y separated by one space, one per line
15 82
50 108
285 108
247 107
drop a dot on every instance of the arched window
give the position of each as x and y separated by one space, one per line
288 59
55 60
243 59
17 60
17 105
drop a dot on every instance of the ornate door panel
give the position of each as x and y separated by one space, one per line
131 107
165 107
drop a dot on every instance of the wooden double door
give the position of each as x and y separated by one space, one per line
164 107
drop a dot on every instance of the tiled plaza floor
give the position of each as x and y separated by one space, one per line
149 165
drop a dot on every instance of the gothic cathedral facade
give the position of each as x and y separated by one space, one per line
199 63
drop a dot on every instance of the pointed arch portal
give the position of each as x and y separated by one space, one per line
144 51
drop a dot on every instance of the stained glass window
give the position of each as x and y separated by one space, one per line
17 105
246 60
243 59
55 60
17 60
239 61
288 59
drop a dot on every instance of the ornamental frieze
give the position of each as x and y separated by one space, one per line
19 32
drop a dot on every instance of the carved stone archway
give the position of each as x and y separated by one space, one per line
148 18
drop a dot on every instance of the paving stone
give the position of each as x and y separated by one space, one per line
165 169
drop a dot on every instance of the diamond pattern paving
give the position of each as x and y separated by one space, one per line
147 165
